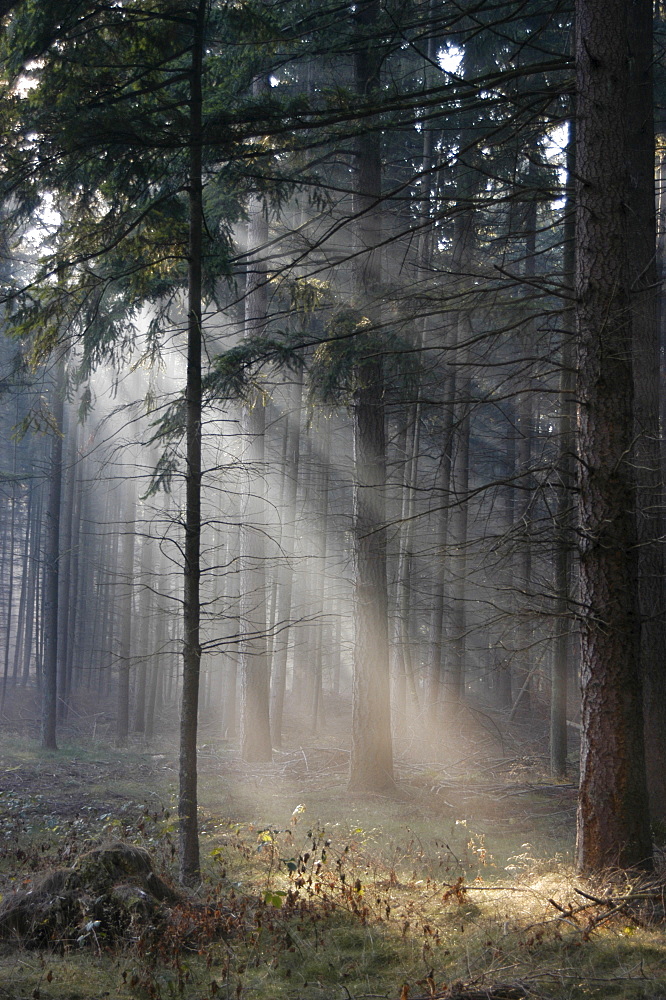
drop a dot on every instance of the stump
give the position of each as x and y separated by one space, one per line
111 893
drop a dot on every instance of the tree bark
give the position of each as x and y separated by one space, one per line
405 694
66 597
371 767
188 855
613 817
460 391
21 632
642 239
288 545
32 609
127 530
51 567
255 731
563 526
10 575
525 484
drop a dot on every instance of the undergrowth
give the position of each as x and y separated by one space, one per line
363 906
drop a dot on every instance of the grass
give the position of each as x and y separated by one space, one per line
329 895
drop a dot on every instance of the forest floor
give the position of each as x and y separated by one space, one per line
461 885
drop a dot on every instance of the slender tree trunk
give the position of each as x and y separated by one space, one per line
442 495
460 391
40 628
406 694
10 577
525 484
73 665
404 683
372 756
65 599
320 538
51 566
126 546
563 526
455 676
230 653
286 582
32 622
187 794
255 733
613 816
145 616
19 645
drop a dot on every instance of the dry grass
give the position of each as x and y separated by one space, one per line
460 886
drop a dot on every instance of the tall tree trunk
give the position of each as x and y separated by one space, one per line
613 815
320 538
32 622
255 732
405 693
66 597
455 676
10 575
73 665
127 531
288 546
188 854
410 436
19 645
232 626
525 483
145 617
563 525
51 567
371 767
464 239
642 239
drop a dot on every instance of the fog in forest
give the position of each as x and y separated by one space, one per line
469 510
332 627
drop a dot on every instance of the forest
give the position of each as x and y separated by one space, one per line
331 476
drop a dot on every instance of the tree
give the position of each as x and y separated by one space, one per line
372 753
126 545
255 666
52 566
642 242
564 535
132 202
613 817
187 794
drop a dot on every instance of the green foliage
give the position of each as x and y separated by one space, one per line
349 347
238 372
99 150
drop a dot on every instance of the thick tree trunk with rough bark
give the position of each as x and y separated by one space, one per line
642 239
613 818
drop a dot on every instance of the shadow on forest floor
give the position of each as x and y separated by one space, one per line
460 885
